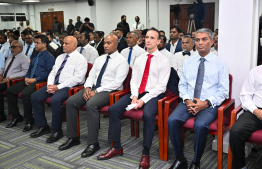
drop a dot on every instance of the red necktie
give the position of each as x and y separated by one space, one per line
145 75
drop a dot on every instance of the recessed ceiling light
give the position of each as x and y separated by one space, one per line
31 0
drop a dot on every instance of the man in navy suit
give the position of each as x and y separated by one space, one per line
175 44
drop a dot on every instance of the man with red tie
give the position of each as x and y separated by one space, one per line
149 79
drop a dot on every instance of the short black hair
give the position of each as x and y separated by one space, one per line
43 39
50 34
5 37
99 33
122 16
86 36
176 27
91 32
154 29
14 36
87 19
162 31
144 32
119 29
164 37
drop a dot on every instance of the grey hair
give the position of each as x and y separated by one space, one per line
134 33
187 36
19 43
205 30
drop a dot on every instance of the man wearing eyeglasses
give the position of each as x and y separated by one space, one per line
15 66
30 45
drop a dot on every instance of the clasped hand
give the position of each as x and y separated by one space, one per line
52 89
139 103
88 94
194 108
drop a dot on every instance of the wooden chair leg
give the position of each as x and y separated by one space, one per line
183 136
220 150
99 121
137 128
78 125
132 128
229 158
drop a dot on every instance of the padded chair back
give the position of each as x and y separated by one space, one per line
89 67
126 83
230 85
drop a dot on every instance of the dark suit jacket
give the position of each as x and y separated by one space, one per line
173 81
178 46
100 47
120 47
123 42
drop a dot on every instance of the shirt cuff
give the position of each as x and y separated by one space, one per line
145 98
212 100
186 96
60 86
100 89
252 109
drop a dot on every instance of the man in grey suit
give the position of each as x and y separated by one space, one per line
106 76
15 66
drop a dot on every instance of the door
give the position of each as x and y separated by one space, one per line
47 19
183 18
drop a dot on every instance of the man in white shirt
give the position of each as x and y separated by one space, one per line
88 51
4 45
30 45
133 50
250 120
28 26
148 84
162 48
106 76
69 70
20 26
215 52
179 58
138 25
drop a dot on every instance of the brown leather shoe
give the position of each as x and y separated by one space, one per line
111 153
145 162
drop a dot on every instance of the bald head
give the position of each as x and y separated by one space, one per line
70 44
110 43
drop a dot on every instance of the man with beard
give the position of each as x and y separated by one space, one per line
88 51
59 50
121 39
124 25
4 45
29 47
138 25
162 48
15 66
133 50
57 26
78 23
70 27
175 44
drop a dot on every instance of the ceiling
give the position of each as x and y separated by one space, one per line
41 1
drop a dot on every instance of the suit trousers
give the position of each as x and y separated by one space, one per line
245 125
12 99
3 87
202 121
56 102
150 110
92 106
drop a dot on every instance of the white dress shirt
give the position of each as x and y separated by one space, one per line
251 92
159 73
212 49
114 75
2 60
73 72
18 68
167 54
5 50
89 52
53 45
178 61
215 52
28 26
136 52
140 26
31 49
173 47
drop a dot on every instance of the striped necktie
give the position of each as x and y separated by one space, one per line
35 66
200 78
60 70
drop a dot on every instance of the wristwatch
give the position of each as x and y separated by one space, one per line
209 103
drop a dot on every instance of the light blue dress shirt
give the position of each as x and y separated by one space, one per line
215 86
5 50
2 60
31 49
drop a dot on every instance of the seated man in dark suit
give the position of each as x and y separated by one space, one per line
15 66
148 84
175 44
121 39
250 120
69 70
99 42
203 86
38 71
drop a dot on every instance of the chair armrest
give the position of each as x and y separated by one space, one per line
17 80
160 108
78 88
234 115
229 105
40 85
112 95
167 106
8 83
122 93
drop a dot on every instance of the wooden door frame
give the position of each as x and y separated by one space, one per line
61 21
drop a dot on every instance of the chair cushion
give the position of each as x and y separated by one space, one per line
4 93
48 100
104 109
213 126
19 95
256 136
136 114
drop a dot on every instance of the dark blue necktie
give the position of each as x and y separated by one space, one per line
60 70
81 50
129 56
35 66
186 53
102 71
200 78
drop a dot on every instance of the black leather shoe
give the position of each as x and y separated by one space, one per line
194 166
14 122
2 118
28 126
179 164
90 150
41 131
69 143
55 136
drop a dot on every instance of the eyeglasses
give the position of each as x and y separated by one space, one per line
28 38
12 47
